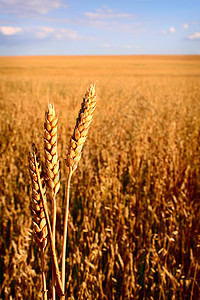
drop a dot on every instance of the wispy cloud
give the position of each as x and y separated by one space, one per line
33 6
69 34
43 32
194 36
9 30
106 19
106 13
185 26
103 16
59 33
172 29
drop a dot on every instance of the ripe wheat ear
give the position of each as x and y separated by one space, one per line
81 129
50 150
40 231
74 154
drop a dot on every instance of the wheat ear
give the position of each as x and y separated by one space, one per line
81 129
38 182
52 166
50 149
40 231
74 154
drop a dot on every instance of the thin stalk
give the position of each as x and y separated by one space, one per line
194 279
54 241
65 228
43 277
165 261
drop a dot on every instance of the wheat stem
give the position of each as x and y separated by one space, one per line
65 228
54 240
43 277
192 290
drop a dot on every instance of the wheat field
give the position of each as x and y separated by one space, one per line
134 213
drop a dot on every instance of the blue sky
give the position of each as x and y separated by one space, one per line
75 27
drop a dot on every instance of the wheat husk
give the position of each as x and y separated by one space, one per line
50 150
81 129
40 231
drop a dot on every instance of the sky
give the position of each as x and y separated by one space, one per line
75 27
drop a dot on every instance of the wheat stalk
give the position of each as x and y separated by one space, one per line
74 154
52 166
40 231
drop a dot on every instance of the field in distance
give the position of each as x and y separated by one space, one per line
134 224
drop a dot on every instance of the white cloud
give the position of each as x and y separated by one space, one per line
33 6
103 16
115 25
48 29
41 35
172 29
104 8
106 19
44 32
106 13
69 34
59 33
9 30
185 26
194 36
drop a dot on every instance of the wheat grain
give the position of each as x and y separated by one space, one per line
39 221
50 149
81 129
40 230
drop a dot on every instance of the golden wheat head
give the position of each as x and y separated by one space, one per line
50 149
39 221
81 129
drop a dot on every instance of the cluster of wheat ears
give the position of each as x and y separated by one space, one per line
46 179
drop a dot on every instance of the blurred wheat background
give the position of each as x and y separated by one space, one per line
134 223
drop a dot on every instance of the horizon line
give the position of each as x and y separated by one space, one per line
94 55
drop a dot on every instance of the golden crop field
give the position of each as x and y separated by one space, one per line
134 214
